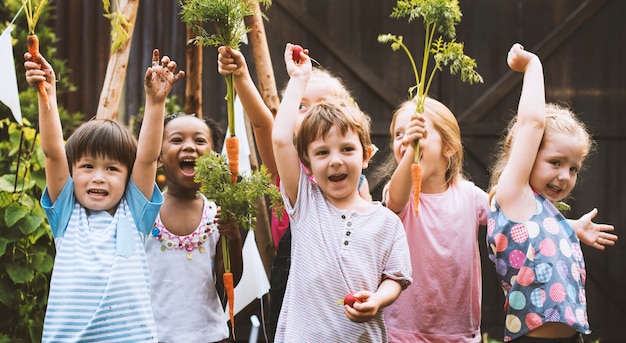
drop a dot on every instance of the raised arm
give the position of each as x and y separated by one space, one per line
158 82
513 192
282 135
51 131
260 116
399 185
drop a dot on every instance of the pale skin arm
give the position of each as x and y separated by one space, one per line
51 131
158 82
514 193
388 291
400 184
592 234
232 61
282 135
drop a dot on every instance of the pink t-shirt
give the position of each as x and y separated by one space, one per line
444 303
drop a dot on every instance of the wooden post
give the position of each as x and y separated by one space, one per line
108 107
267 88
193 87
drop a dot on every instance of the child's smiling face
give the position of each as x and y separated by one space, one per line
337 163
99 183
556 167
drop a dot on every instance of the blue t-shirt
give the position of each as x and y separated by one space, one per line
100 287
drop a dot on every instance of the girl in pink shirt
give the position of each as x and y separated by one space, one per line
444 304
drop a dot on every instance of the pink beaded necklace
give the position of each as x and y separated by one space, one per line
194 240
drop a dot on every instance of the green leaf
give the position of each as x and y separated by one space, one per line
14 212
30 224
7 294
20 273
3 246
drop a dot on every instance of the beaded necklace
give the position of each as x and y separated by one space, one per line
194 240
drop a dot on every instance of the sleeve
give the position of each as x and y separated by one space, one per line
59 212
482 205
304 194
398 266
144 211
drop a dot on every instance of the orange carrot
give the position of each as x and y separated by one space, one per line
32 41
416 178
229 288
232 151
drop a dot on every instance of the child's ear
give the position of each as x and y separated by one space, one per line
159 162
369 152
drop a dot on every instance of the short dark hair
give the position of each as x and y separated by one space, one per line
102 138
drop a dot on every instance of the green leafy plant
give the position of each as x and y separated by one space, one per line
26 249
119 25
440 17
236 200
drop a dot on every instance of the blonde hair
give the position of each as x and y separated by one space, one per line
323 116
446 125
559 119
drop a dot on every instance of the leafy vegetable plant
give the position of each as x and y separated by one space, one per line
235 198
440 17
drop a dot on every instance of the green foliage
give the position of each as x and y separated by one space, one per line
33 10
227 15
236 200
26 246
119 25
438 16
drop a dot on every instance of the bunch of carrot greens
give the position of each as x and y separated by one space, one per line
440 17
236 200
230 30
33 12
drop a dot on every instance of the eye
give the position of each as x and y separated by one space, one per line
321 153
399 135
349 149
113 168
175 140
302 107
201 141
574 170
555 163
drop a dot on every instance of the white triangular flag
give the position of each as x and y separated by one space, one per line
9 94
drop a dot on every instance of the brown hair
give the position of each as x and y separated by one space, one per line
102 138
324 115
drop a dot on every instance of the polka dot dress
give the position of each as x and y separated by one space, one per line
541 269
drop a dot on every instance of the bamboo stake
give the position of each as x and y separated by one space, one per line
108 107
193 88
267 88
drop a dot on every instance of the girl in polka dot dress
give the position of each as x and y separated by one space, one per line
536 251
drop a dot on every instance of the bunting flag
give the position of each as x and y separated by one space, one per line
254 282
9 94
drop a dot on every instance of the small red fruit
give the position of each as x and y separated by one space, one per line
350 299
297 49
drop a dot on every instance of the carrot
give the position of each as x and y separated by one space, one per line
32 41
229 288
416 178
232 151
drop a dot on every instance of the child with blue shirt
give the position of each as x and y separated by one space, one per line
101 201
